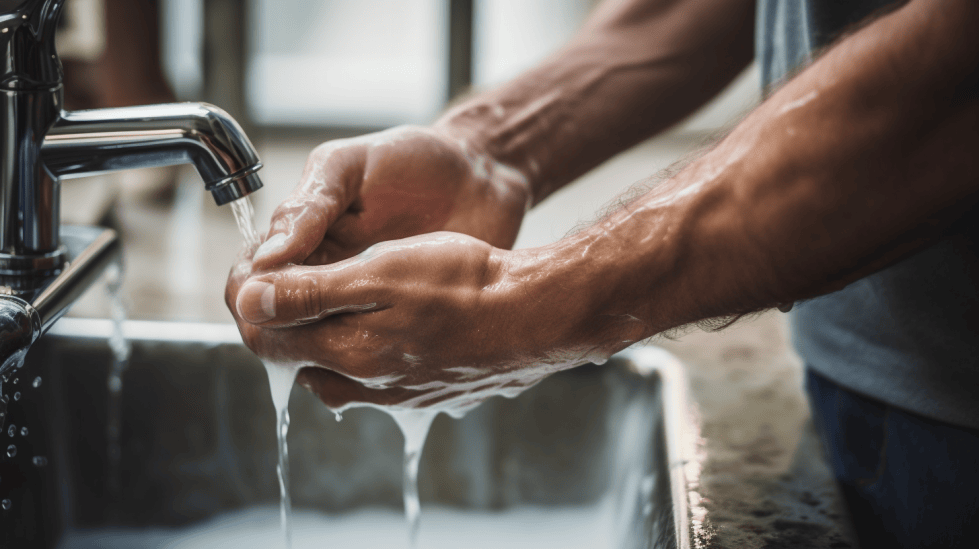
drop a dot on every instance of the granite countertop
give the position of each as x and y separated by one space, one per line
763 480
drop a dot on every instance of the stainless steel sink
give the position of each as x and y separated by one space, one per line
601 446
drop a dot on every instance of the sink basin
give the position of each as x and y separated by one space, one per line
590 457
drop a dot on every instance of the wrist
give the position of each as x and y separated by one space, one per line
472 126
567 303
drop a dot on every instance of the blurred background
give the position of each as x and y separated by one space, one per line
296 73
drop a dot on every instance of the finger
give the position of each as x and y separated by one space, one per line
338 343
328 186
342 241
338 391
298 295
239 273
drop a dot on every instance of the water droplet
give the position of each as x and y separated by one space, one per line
338 417
5 378
23 431
16 379
39 461
11 451
17 395
37 382
6 504
12 430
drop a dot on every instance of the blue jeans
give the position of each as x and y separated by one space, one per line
909 481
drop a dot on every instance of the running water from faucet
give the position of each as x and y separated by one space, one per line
414 424
245 218
121 350
281 380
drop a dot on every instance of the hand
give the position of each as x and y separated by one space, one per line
436 319
391 185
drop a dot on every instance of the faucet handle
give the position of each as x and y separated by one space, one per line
21 328
27 31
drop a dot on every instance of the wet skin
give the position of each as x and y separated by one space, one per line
863 158
418 338
394 184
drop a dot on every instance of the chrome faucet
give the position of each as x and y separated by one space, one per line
44 267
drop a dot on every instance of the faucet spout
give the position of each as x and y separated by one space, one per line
91 142
44 267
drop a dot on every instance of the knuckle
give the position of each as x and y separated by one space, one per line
294 204
323 151
309 301
329 152
306 202
322 201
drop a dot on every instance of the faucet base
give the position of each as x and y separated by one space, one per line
57 279
30 304
26 273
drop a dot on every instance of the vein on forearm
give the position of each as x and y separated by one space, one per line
626 76
862 159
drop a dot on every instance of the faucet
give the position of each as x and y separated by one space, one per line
45 267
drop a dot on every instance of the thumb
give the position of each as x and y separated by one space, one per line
301 295
329 184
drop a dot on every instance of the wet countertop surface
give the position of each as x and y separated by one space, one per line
762 482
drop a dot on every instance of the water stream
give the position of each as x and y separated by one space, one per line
414 424
121 350
245 218
281 380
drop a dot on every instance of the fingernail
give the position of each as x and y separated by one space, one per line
274 244
256 302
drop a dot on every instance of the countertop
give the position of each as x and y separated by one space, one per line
763 479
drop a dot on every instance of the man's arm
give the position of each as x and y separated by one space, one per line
637 67
863 158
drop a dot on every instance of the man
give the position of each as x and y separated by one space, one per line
854 180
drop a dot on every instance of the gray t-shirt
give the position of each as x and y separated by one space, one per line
909 334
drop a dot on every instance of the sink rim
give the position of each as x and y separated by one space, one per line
682 437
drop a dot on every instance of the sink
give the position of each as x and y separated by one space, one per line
590 457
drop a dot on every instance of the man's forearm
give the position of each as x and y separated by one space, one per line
636 68
863 158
